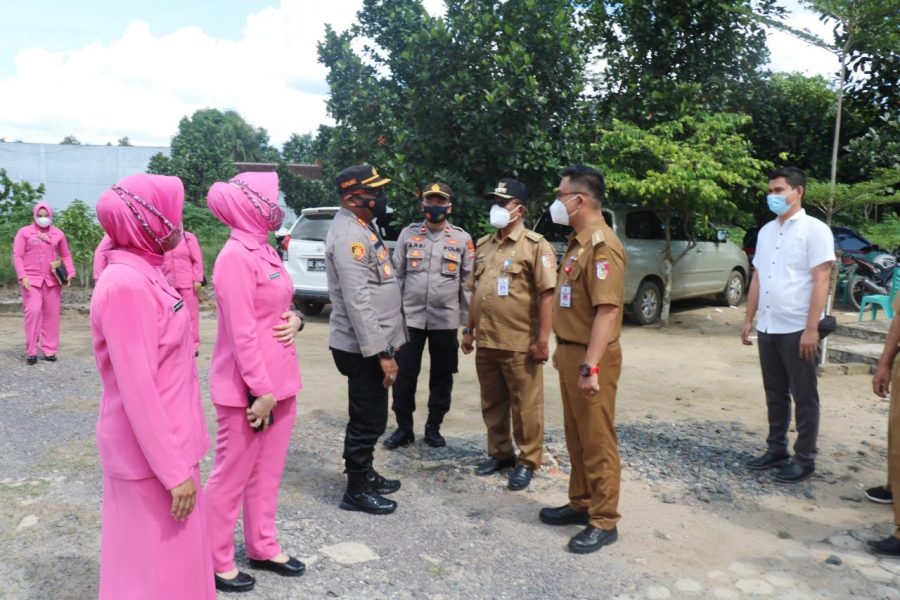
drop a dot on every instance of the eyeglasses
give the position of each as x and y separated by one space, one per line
165 243
270 211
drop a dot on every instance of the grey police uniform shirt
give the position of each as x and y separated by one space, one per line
433 267
366 311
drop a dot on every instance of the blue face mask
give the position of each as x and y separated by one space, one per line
778 203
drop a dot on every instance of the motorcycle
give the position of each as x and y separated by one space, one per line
866 278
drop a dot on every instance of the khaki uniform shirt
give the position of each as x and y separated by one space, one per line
366 313
524 264
594 270
433 267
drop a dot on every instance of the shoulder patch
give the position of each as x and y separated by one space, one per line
534 237
597 238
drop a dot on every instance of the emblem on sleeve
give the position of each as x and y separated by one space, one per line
357 250
546 261
602 267
471 248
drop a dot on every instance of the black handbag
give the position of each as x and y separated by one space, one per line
827 326
59 271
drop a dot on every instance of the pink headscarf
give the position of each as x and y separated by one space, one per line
232 206
39 206
165 194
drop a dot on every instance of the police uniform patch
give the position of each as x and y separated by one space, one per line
388 271
452 242
382 255
471 248
417 238
602 266
416 253
451 267
453 256
414 264
358 250
546 261
373 237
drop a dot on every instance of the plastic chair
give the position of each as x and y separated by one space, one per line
882 300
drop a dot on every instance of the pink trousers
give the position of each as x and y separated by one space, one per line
247 471
41 306
144 553
192 302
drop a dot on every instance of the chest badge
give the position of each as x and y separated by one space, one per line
357 250
274 275
177 306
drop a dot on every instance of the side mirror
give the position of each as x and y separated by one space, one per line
721 235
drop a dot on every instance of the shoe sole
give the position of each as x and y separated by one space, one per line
517 488
377 511
262 566
770 466
879 500
798 480
386 492
395 446
230 590
577 550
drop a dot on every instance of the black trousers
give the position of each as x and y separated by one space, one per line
443 347
367 400
786 375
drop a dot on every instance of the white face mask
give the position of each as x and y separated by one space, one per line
500 217
559 214
43 221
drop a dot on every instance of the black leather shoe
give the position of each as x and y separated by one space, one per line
492 465
592 539
381 484
880 494
433 436
794 472
886 547
291 568
31 360
240 583
50 358
767 461
401 437
368 501
520 478
564 515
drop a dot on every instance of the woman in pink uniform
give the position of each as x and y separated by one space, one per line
151 433
183 266
34 248
253 360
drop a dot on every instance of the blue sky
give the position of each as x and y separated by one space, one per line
101 70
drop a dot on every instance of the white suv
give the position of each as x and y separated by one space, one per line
305 260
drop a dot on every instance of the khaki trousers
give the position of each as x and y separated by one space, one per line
894 443
512 386
591 435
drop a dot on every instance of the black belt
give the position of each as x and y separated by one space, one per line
563 342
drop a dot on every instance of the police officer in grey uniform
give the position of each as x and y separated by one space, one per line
365 329
432 260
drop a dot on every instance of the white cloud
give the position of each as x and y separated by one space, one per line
790 54
141 84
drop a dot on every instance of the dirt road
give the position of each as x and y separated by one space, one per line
695 523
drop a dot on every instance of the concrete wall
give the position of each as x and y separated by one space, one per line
73 172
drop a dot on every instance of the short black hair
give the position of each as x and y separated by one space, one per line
589 177
794 176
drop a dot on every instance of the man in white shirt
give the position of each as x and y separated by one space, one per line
794 254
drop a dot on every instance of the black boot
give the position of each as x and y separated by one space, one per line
381 484
433 436
402 437
361 497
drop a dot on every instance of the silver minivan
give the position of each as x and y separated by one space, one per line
713 267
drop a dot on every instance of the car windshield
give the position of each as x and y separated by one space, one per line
312 227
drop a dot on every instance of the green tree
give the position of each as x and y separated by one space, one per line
124 141
300 193
688 170
17 200
665 58
833 200
300 149
489 90
83 233
70 140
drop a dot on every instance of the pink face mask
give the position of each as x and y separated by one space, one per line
167 242
269 211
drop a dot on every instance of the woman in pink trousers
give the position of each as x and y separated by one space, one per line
151 432
253 362
183 267
34 248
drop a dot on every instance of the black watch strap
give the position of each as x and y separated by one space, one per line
387 352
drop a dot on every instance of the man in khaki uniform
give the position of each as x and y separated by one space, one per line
887 380
587 320
509 319
432 260
365 329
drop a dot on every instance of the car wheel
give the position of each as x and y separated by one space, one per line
310 308
734 290
647 304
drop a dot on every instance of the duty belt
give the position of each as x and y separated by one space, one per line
563 342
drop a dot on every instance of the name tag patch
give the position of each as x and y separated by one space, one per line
565 295
177 306
275 275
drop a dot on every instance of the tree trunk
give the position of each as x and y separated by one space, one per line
667 290
829 210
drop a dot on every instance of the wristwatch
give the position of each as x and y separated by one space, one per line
302 320
387 352
468 331
586 370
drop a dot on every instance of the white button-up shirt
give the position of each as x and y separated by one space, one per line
785 256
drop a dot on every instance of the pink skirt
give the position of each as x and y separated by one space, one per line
144 553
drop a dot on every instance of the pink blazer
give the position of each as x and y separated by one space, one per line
252 291
151 421
184 264
32 255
